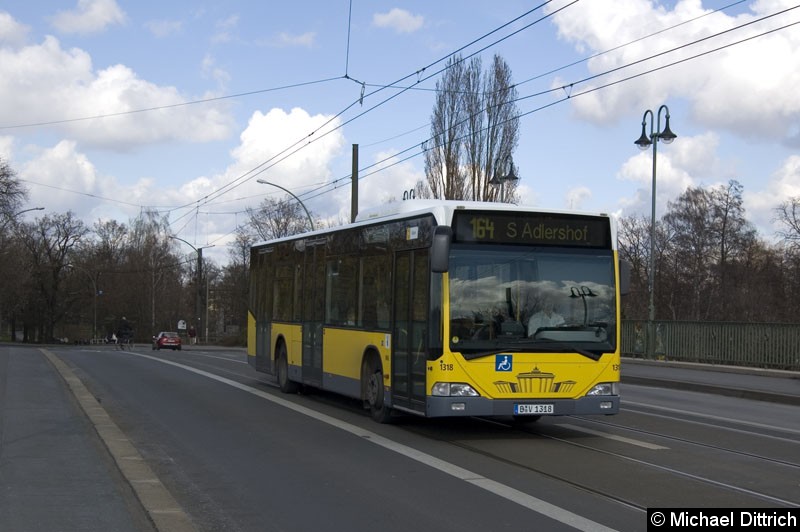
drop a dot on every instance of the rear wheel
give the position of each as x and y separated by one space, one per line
374 393
282 371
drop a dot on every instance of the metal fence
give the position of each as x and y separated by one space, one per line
763 345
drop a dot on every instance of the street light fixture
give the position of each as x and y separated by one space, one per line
199 295
644 142
508 176
310 220
13 217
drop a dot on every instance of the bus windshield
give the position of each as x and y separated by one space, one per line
531 299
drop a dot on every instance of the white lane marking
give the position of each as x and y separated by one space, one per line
226 359
523 499
709 416
614 437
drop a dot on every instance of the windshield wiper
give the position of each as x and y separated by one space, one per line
569 347
483 354
551 347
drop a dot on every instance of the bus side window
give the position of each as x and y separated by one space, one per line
376 282
341 288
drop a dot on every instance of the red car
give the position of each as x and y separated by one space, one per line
167 340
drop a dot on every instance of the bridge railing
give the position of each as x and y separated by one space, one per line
763 345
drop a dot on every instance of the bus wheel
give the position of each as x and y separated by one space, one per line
374 392
282 371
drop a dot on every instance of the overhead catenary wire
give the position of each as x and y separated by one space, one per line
211 196
385 163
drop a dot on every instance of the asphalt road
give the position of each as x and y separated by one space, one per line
95 439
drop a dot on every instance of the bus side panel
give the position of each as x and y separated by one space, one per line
292 334
343 352
259 350
251 338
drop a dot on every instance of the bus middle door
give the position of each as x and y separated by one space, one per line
313 312
409 339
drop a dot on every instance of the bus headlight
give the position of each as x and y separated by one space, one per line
605 388
454 389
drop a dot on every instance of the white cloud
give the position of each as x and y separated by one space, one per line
163 28
673 175
211 70
392 179
7 148
224 29
90 16
745 88
55 175
784 184
11 31
277 133
305 40
400 20
49 84
576 197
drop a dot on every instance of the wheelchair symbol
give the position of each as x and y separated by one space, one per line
502 363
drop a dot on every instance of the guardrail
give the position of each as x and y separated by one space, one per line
763 345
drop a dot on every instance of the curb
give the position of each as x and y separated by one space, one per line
164 511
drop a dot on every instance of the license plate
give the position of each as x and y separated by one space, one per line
522 410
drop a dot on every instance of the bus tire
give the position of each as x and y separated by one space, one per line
282 371
374 398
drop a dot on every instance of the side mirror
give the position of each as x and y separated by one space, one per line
440 249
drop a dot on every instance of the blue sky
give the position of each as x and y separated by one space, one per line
113 106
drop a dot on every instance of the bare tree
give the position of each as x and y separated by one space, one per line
788 214
277 219
634 247
443 155
12 193
474 131
49 243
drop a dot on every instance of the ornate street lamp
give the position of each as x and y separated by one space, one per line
508 176
644 142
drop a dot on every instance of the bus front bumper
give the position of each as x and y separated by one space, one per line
481 406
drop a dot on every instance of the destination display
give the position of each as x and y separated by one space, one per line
543 229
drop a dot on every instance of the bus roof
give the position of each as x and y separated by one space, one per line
442 211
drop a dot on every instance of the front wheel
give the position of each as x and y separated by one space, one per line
282 371
374 393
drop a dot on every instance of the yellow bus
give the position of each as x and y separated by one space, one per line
445 308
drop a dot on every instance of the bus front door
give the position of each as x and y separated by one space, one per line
410 333
313 313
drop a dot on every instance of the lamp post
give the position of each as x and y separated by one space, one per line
644 142
310 220
508 176
13 217
199 294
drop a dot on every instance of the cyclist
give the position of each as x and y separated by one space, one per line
125 332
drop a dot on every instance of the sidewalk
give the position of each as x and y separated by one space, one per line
64 463
748 383
54 474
